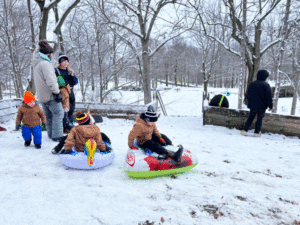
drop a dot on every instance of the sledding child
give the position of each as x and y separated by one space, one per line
80 134
65 90
30 114
147 136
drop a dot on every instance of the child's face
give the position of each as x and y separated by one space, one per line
65 63
150 123
31 104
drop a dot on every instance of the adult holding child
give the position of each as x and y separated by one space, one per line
70 79
47 90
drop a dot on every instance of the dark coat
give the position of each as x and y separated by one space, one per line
71 80
259 94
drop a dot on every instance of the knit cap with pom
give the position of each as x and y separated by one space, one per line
82 118
28 97
45 48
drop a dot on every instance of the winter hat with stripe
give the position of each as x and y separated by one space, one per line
82 118
62 57
45 48
28 97
150 114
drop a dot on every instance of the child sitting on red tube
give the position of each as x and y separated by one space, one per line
147 136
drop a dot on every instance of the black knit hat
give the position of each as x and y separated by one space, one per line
150 114
45 48
62 57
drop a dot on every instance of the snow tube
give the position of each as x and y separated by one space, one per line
147 164
89 159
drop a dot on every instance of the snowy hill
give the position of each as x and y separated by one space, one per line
239 180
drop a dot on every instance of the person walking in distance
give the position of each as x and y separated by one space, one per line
259 99
47 90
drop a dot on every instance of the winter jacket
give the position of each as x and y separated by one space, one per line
44 78
142 132
79 135
71 80
259 94
30 116
65 91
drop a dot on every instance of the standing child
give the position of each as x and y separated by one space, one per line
147 136
30 114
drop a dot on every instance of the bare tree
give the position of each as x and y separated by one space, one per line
143 14
285 34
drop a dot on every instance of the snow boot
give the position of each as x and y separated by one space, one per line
37 146
257 135
27 143
57 148
176 156
244 133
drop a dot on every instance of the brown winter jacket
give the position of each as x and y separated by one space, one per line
142 132
65 91
79 135
30 117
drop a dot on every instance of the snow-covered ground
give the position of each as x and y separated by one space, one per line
239 180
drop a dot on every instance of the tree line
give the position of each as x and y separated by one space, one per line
220 43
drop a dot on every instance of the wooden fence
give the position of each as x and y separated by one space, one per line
231 118
9 109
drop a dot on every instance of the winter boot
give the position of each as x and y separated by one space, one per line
257 135
176 156
37 146
27 143
57 148
243 132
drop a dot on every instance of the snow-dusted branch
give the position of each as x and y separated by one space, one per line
269 46
64 16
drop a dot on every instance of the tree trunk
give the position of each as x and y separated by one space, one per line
175 73
243 49
281 53
146 72
167 73
92 66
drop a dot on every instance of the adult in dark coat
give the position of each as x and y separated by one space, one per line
70 78
259 99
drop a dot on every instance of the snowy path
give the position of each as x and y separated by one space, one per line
239 180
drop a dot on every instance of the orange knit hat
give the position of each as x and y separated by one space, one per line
28 97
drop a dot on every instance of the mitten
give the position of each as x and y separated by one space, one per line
134 148
18 127
57 97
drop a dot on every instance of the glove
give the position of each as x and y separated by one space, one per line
18 127
57 97
64 151
43 126
162 141
134 148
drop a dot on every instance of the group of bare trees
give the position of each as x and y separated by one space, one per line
220 43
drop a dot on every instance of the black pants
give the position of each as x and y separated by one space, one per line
156 146
260 116
72 106
63 140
